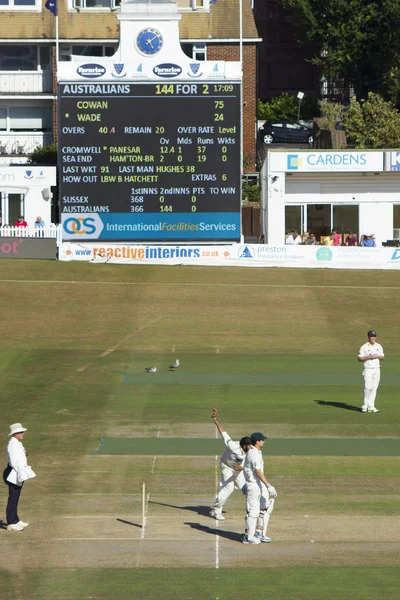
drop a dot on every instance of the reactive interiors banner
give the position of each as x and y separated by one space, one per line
243 255
14 247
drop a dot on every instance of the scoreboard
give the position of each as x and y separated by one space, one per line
150 161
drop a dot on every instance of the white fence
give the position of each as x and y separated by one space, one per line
50 231
22 143
33 82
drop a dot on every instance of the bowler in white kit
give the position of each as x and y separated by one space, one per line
371 354
231 468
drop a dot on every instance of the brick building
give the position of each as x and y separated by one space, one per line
284 64
209 29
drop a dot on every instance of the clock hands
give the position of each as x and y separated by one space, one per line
148 42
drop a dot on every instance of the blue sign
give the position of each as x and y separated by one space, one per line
152 226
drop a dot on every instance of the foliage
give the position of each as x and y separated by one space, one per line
331 113
44 155
250 192
372 123
357 41
283 107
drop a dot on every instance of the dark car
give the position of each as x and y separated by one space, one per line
285 131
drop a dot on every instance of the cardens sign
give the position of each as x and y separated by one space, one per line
323 161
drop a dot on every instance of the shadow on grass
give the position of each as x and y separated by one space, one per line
204 511
229 535
129 523
338 405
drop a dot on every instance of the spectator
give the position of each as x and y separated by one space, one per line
351 239
293 238
369 241
310 240
336 238
304 237
328 241
20 222
39 222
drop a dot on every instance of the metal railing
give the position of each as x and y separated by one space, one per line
49 231
20 144
25 82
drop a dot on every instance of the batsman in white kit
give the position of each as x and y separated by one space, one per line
260 494
231 464
371 354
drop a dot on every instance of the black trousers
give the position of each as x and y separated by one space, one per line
14 492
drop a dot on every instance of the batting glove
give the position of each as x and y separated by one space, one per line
272 491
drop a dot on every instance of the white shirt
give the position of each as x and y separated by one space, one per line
233 455
292 241
252 463
16 455
368 349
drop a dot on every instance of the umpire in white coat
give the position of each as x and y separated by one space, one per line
16 472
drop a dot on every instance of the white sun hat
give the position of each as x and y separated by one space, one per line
16 428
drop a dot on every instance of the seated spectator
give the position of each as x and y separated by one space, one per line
39 222
351 240
304 237
336 238
20 222
310 240
328 241
293 238
369 241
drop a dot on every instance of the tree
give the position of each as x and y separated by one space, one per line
372 123
357 41
44 155
283 107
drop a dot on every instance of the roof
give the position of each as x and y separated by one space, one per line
222 22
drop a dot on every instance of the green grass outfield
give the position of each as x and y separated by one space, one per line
274 350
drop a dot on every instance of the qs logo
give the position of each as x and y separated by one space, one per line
80 225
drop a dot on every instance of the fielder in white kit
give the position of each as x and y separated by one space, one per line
371 355
260 494
231 464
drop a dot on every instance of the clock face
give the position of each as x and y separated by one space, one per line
149 41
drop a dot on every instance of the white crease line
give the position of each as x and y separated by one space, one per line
121 539
145 516
153 464
170 284
173 349
149 517
217 349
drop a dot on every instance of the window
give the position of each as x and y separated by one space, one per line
19 58
293 126
276 124
35 118
199 52
20 4
67 51
96 3
3 119
195 51
197 4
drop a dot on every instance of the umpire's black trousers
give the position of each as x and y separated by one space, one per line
14 492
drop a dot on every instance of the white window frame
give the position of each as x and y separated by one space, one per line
36 7
200 4
201 49
79 5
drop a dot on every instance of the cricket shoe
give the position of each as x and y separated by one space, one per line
364 410
255 540
263 538
14 527
217 516
373 410
22 524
